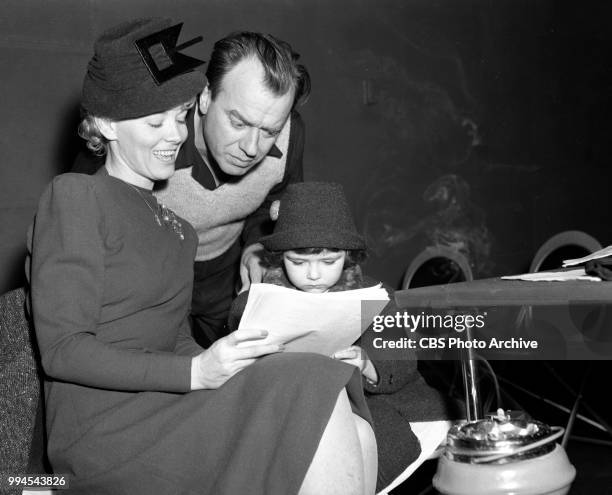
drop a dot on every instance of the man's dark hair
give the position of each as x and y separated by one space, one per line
282 71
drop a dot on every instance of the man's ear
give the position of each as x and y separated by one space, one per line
106 128
204 100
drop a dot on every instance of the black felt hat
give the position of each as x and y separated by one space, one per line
314 214
137 70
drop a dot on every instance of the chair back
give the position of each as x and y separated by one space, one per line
19 384
567 244
437 265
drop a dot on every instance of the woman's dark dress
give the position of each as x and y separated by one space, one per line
110 292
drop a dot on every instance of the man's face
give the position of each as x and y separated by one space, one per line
244 119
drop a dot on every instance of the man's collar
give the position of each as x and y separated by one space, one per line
187 154
275 152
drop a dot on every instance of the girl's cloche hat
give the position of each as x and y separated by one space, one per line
314 214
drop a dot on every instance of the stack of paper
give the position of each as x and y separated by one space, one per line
602 253
304 322
576 274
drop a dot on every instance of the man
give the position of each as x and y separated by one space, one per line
245 145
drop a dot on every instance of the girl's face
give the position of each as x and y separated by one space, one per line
314 273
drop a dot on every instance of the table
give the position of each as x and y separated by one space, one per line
500 292
565 300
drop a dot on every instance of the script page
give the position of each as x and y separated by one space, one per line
304 322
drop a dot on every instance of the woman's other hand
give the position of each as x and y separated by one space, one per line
227 356
356 356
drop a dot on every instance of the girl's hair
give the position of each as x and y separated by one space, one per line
274 259
351 277
89 131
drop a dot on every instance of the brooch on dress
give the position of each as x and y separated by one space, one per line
163 215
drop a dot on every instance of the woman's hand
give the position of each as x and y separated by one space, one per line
356 356
226 357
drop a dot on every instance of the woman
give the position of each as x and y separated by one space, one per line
134 405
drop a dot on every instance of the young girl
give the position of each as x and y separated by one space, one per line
316 248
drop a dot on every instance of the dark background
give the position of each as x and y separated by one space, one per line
482 125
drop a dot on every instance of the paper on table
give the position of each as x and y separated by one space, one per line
602 253
576 274
304 322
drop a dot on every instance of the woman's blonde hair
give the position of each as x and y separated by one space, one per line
89 131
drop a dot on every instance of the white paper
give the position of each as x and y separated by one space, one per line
602 253
305 322
431 435
576 274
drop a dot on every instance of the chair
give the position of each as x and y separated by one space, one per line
19 386
437 265
564 245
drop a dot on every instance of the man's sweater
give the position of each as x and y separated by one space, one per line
218 215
